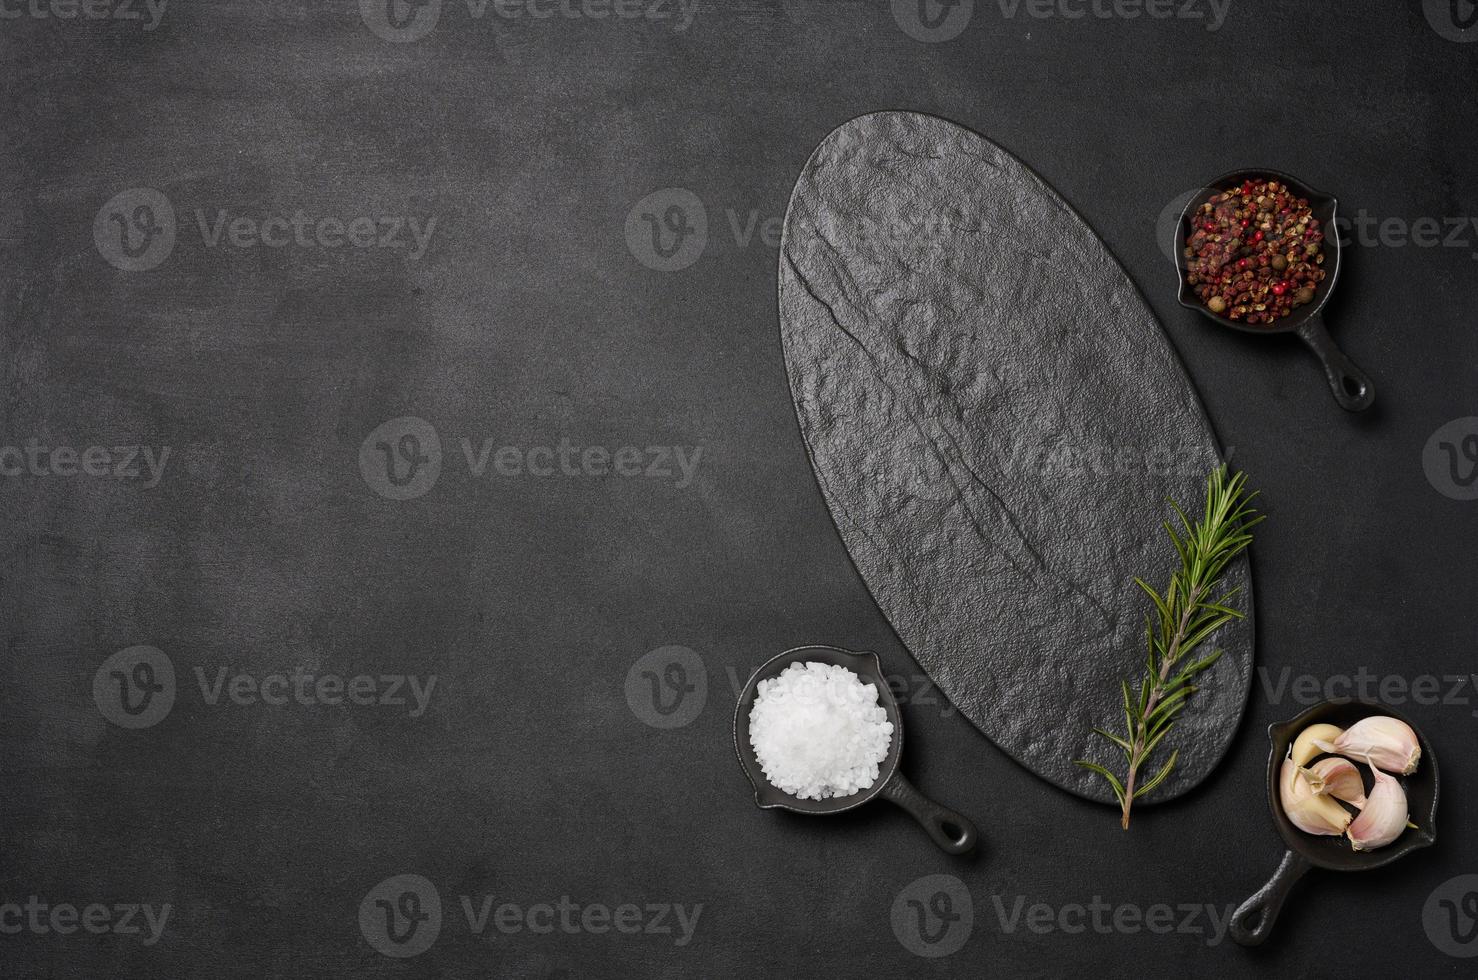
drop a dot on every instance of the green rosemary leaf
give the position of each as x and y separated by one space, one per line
1155 739
1195 639
1184 616
1160 604
1113 780
1159 777
1195 668
1185 521
1169 703
1121 743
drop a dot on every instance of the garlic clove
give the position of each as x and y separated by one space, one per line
1310 813
1337 777
1306 746
1382 741
1384 816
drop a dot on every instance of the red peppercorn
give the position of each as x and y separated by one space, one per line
1251 247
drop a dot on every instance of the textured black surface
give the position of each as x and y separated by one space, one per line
531 598
996 421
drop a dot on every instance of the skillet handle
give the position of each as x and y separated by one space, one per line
1352 387
1252 922
951 830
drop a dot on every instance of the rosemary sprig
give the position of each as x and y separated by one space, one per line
1182 619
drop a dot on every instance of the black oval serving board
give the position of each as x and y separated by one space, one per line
996 420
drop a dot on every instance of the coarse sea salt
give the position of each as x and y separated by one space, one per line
818 731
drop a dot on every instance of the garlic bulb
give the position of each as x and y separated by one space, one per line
1382 741
1384 815
1337 777
1305 747
1310 813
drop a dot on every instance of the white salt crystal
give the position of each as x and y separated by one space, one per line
818 731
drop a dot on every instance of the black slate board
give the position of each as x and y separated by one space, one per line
996 421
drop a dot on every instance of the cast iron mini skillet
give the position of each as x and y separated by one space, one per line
951 831
1352 387
1252 923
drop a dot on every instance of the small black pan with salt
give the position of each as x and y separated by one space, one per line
951 830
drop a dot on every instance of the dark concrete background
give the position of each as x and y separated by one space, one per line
531 775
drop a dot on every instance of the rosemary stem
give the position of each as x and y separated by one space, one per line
1141 735
1187 618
